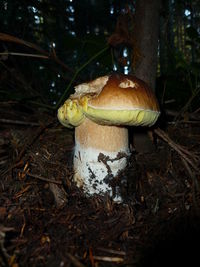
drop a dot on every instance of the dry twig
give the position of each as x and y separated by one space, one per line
43 178
108 259
191 158
74 260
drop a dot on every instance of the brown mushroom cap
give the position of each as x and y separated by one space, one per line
123 100
115 99
124 92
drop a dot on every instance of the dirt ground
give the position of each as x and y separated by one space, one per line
45 220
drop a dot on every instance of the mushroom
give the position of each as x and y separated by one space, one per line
101 110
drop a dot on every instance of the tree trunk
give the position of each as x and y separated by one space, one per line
166 38
146 37
162 43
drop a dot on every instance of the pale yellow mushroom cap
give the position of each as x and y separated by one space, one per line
70 113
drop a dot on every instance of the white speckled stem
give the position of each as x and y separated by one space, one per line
96 162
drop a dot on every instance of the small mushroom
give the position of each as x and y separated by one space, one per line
100 110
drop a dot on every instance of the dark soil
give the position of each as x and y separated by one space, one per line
45 220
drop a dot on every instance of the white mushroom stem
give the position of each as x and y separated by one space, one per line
100 154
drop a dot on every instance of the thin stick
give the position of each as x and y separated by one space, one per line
11 38
6 121
23 55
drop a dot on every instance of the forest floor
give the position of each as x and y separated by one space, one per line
45 220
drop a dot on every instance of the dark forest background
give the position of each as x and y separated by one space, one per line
47 46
